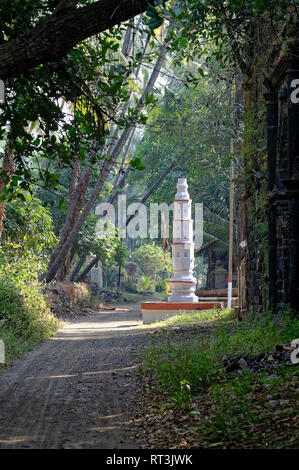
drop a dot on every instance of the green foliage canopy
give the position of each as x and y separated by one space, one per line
151 259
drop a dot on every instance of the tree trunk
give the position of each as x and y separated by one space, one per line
126 42
8 168
108 163
87 269
77 191
209 284
54 36
77 268
119 275
115 132
120 180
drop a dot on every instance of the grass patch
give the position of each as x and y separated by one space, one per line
194 362
132 297
193 318
238 409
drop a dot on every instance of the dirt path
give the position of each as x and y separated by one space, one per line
72 390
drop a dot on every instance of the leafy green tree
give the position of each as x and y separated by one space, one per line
29 224
152 260
196 124
91 243
76 217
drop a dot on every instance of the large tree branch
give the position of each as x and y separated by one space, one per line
54 36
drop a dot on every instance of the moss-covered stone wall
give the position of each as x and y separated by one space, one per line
254 182
270 206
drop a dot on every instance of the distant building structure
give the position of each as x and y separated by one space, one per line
219 277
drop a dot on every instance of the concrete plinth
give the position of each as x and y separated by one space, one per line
184 292
157 311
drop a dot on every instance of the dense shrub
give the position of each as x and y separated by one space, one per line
25 318
162 286
152 260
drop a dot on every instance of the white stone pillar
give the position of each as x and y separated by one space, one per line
182 282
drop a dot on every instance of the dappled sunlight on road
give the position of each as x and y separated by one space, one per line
99 372
72 390
14 440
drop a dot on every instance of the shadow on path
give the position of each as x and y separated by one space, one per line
71 391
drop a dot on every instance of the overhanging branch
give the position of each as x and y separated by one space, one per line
54 36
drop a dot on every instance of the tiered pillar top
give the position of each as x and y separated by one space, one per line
182 190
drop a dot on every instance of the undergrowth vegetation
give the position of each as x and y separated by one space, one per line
195 361
194 317
25 318
254 408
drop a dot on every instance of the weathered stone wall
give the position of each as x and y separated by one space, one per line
270 156
284 196
253 197
281 207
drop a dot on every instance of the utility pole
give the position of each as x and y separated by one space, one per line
231 229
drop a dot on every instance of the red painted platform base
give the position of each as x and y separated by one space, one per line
156 311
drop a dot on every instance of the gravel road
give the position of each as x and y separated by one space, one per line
72 390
